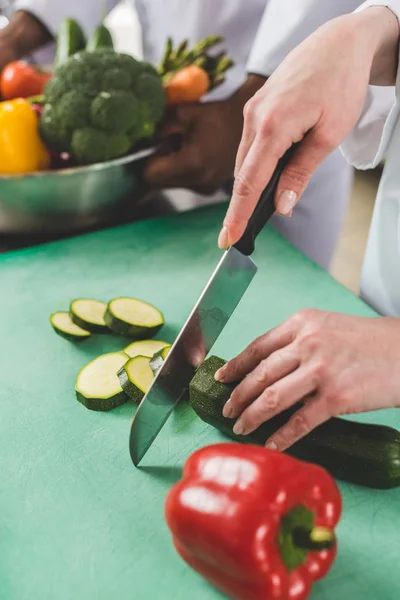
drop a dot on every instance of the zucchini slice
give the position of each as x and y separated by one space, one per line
364 454
158 359
97 385
136 377
133 318
89 314
64 326
145 348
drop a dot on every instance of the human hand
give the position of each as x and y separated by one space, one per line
316 96
336 364
211 134
21 36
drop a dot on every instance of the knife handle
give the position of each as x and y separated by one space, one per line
265 207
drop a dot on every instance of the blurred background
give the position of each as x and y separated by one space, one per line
347 264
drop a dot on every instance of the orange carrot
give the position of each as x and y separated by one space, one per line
187 85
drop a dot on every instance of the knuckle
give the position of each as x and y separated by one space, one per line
299 426
311 340
196 163
261 372
298 174
242 187
326 139
249 108
304 316
270 399
320 370
269 124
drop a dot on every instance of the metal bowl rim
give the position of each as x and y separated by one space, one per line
116 162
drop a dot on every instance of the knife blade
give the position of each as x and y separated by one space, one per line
220 297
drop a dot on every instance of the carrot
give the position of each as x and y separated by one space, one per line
187 85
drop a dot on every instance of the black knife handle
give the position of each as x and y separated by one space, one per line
265 207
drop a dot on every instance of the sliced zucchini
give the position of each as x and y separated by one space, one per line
97 385
89 314
136 377
158 360
133 318
145 348
63 326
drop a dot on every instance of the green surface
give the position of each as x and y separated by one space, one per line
77 521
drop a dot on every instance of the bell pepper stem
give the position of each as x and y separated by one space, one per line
319 538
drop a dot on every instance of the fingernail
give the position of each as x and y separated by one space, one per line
286 202
271 446
197 358
223 239
219 375
227 411
239 428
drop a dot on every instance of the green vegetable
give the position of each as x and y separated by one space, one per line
136 377
145 348
133 318
63 326
99 104
70 39
97 385
89 314
368 455
158 360
101 38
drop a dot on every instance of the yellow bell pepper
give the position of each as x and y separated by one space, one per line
21 149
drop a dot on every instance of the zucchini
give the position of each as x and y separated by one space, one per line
97 385
70 39
101 38
136 377
158 360
367 455
63 326
133 318
145 348
89 314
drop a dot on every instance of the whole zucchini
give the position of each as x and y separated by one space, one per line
101 38
70 39
367 455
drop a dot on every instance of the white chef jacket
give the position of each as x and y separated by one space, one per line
281 25
377 135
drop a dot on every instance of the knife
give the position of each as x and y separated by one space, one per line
208 318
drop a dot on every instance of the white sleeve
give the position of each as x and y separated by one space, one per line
88 13
285 24
367 144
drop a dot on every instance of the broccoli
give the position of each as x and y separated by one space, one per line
98 105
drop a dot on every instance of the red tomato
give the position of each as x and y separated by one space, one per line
21 80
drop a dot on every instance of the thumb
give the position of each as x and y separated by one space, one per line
298 172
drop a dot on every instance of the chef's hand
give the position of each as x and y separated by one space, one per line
211 134
20 37
316 95
338 364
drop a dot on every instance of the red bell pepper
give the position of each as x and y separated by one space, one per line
257 524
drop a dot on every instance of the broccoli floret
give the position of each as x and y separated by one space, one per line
91 146
115 112
99 104
52 130
116 79
149 89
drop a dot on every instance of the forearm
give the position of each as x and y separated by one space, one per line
24 34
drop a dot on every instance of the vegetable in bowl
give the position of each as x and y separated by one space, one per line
99 105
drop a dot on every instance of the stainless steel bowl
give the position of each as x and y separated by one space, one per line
72 198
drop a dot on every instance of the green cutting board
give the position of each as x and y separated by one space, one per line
77 520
